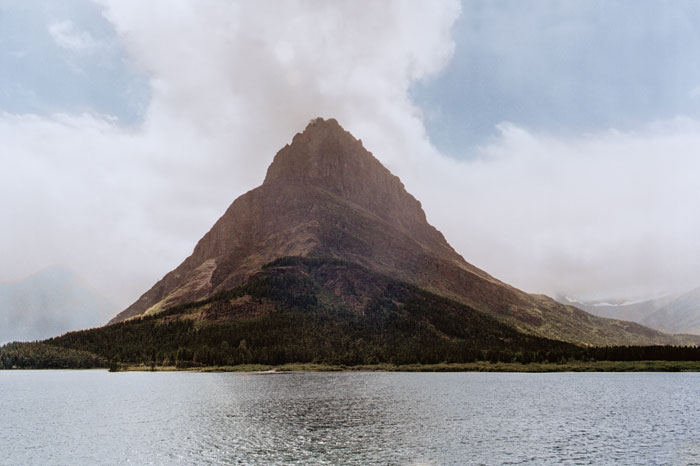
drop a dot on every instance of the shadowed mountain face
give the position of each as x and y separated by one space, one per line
49 303
326 196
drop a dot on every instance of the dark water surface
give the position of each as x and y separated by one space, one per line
94 417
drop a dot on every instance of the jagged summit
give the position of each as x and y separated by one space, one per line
326 196
323 153
327 157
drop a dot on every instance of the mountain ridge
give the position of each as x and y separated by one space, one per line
677 313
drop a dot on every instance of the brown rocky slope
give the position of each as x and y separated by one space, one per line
326 196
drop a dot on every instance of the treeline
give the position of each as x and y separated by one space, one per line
400 324
311 323
286 338
269 341
38 355
641 353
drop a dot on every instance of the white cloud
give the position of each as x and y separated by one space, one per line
597 214
231 84
65 36
695 92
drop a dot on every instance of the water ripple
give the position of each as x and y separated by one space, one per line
92 417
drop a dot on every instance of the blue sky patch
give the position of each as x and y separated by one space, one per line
64 57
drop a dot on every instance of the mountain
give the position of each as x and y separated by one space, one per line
681 315
671 313
50 302
316 310
325 196
636 310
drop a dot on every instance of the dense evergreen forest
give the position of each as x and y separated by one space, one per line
305 322
38 355
315 311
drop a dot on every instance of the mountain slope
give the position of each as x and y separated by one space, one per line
634 311
674 313
316 310
48 303
681 315
326 196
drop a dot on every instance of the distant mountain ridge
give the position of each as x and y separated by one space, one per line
682 315
672 313
326 196
631 310
50 302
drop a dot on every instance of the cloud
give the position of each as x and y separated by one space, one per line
609 212
65 57
605 214
230 85
65 36
566 66
695 92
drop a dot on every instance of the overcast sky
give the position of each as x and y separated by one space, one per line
556 144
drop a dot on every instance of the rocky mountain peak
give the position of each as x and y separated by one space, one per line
323 153
326 156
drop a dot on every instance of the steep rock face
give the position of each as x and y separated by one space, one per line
326 196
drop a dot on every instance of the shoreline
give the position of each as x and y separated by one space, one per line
598 366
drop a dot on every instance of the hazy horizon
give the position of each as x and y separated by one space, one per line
555 145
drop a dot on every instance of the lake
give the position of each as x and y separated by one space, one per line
96 417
